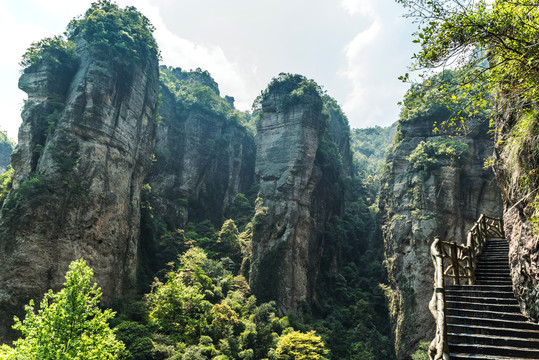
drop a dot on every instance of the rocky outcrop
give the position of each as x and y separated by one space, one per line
435 186
516 164
85 145
203 157
295 203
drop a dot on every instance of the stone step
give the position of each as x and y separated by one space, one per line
495 239
493 274
492 259
494 323
504 291
486 314
495 331
460 356
501 277
457 356
493 340
488 267
507 351
494 278
482 300
494 271
504 248
494 282
493 264
506 308
500 255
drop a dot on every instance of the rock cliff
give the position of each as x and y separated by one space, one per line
434 186
516 163
85 145
293 148
204 154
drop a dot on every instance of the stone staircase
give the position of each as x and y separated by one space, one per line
484 320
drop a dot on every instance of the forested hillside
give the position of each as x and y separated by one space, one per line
143 216
198 188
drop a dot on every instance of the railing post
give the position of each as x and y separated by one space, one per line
455 261
441 348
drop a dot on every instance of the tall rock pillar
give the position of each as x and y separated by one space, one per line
85 145
285 234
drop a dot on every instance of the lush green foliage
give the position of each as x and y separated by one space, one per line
447 103
196 89
121 35
522 149
55 50
202 311
460 31
300 346
5 185
32 188
369 147
68 324
427 155
292 89
494 45
422 353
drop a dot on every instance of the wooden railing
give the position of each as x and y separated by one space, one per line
456 262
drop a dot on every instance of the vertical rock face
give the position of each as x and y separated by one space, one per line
203 159
84 148
516 164
429 191
287 234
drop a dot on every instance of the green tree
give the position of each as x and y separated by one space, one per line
124 36
69 324
176 309
492 41
297 345
229 241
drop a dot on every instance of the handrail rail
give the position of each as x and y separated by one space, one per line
461 264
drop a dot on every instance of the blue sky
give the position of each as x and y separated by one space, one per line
355 49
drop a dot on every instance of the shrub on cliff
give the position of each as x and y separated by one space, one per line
427 155
56 50
123 35
292 89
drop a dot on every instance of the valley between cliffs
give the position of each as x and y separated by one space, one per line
216 233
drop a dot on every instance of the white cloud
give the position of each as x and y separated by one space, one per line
362 7
179 52
373 61
13 48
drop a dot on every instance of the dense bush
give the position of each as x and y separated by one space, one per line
55 50
124 36
427 155
292 89
196 89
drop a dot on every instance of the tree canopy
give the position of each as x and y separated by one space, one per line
69 325
495 42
